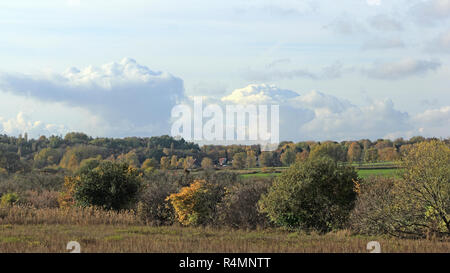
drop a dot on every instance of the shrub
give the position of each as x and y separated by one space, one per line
424 197
239 207
66 197
239 160
416 206
25 215
43 199
372 213
110 186
46 157
9 199
35 181
219 179
207 163
315 194
88 164
153 208
196 204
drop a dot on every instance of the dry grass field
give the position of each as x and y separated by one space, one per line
49 230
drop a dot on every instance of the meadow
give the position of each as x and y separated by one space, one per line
176 206
24 230
386 169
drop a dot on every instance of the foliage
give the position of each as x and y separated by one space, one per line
288 157
89 164
424 197
46 157
9 199
250 159
302 156
207 163
267 159
66 197
131 158
74 155
174 162
354 152
418 205
239 206
239 160
371 155
328 149
149 163
188 163
165 163
9 161
153 208
36 180
388 154
196 204
315 194
41 199
372 213
110 186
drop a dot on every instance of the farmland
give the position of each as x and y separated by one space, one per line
386 169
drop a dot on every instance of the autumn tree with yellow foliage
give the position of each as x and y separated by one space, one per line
196 204
424 195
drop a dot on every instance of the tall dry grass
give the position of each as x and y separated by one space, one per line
28 215
176 239
28 229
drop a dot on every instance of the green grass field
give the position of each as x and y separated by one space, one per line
264 175
363 173
379 172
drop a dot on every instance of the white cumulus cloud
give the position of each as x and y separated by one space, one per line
318 116
22 124
129 97
259 94
433 122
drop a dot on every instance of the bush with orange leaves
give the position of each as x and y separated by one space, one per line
196 204
65 199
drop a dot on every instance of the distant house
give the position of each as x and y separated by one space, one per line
223 161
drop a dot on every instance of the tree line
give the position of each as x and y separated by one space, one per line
21 154
316 192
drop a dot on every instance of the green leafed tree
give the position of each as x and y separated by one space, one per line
288 157
329 149
207 163
109 185
354 152
316 194
239 160
266 159
424 197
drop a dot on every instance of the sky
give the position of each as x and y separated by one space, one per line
340 70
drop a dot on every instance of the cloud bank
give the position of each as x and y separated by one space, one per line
129 97
319 116
126 99
22 124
